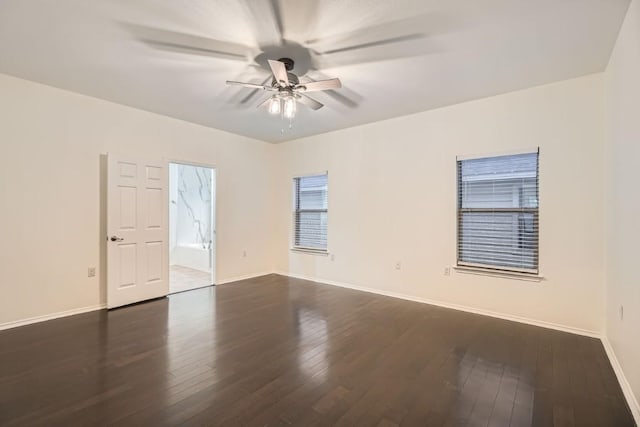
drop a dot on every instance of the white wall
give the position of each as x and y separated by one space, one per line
51 142
392 197
622 84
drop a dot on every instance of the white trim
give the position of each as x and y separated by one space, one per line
467 309
190 163
306 175
45 317
231 280
74 311
503 274
214 213
622 379
513 152
322 252
292 236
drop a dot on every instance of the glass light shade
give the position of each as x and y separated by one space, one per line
289 107
274 105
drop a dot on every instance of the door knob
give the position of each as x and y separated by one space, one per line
116 239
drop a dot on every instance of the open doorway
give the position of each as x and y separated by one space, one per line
191 226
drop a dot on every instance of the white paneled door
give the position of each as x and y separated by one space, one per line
137 257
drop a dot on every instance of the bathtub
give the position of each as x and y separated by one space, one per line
192 256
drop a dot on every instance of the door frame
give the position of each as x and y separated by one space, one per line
214 189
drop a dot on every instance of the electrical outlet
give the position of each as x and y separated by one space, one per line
91 272
622 312
447 271
333 257
244 254
398 265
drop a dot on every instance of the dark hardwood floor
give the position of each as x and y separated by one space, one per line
277 351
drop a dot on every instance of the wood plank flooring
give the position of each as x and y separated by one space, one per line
275 351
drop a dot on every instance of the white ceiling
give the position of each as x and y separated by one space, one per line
445 52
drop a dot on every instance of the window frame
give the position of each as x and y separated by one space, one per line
500 269
297 211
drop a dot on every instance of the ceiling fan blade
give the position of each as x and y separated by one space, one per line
375 43
254 92
320 85
384 33
249 85
309 102
279 72
300 18
264 103
187 43
191 50
344 100
346 97
277 17
372 54
266 22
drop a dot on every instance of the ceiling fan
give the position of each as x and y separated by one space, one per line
288 89
313 51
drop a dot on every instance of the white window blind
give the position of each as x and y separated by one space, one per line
310 216
498 212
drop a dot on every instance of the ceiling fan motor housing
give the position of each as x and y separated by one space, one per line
288 63
287 87
293 80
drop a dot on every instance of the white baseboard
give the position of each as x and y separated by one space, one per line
511 317
624 384
622 379
43 318
245 277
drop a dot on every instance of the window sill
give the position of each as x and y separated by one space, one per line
528 277
321 252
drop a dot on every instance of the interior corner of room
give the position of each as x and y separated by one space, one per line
216 201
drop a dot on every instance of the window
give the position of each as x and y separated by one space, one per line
498 212
310 216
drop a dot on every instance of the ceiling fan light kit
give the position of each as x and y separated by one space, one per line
274 105
289 109
283 104
289 90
